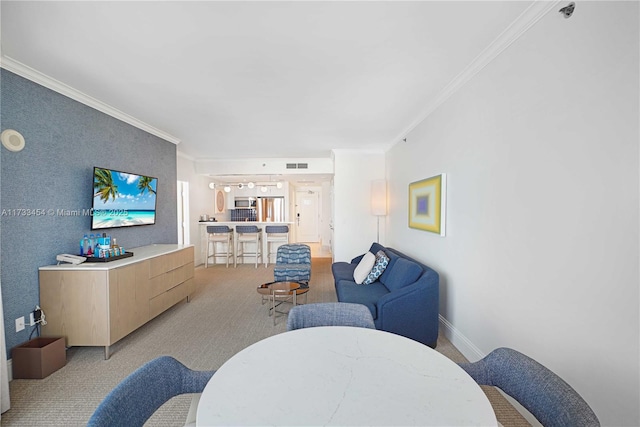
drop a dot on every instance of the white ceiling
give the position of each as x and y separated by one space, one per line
258 79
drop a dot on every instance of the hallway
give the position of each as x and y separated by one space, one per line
319 251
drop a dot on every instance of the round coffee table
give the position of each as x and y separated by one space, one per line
281 291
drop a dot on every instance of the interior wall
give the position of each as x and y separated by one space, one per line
326 232
354 224
201 202
541 252
53 178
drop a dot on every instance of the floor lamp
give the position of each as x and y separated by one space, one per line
379 201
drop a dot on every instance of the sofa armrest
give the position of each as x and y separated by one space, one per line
412 311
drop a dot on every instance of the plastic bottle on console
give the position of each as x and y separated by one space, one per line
85 246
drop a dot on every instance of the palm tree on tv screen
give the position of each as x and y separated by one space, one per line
145 185
104 185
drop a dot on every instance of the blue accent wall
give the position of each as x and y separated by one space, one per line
54 173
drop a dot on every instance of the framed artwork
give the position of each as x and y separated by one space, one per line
220 198
427 203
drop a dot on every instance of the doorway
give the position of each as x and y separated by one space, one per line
183 213
307 219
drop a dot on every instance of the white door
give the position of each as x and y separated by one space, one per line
307 216
183 213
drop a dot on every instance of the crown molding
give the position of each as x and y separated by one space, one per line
517 28
29 73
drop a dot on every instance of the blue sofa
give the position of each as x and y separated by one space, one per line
404 300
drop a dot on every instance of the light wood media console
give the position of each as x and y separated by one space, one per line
97 304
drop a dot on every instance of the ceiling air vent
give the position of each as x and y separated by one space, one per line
303 166
291 166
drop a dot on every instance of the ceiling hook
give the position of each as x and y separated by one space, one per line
567 11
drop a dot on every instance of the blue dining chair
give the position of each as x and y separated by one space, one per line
329 314
547 396
132 402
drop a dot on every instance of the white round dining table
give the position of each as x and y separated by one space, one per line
342 376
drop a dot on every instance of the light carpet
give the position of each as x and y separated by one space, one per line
224 316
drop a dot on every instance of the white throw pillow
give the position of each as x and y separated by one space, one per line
364 267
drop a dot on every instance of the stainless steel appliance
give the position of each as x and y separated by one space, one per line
271 209
244 202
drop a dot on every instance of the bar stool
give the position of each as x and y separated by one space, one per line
274 234
219 234
248 234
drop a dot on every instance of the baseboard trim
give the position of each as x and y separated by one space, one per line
459 341
10 369
473 353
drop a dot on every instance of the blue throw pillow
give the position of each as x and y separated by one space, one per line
382 260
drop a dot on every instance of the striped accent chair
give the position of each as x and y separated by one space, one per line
293 263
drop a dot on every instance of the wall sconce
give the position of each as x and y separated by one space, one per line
227 189
12 140
251 185
212 185
379 201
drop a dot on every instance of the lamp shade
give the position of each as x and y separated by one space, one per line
379 197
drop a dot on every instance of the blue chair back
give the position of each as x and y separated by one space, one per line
547 396
293 262
329 314
276 229
133 401
294 253
215 229
247 229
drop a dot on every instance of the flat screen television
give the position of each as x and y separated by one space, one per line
122 199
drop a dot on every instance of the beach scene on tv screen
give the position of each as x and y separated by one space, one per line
123 199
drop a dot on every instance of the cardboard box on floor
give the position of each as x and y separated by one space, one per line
38 358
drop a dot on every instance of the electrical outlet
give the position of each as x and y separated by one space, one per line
32 321
19 324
